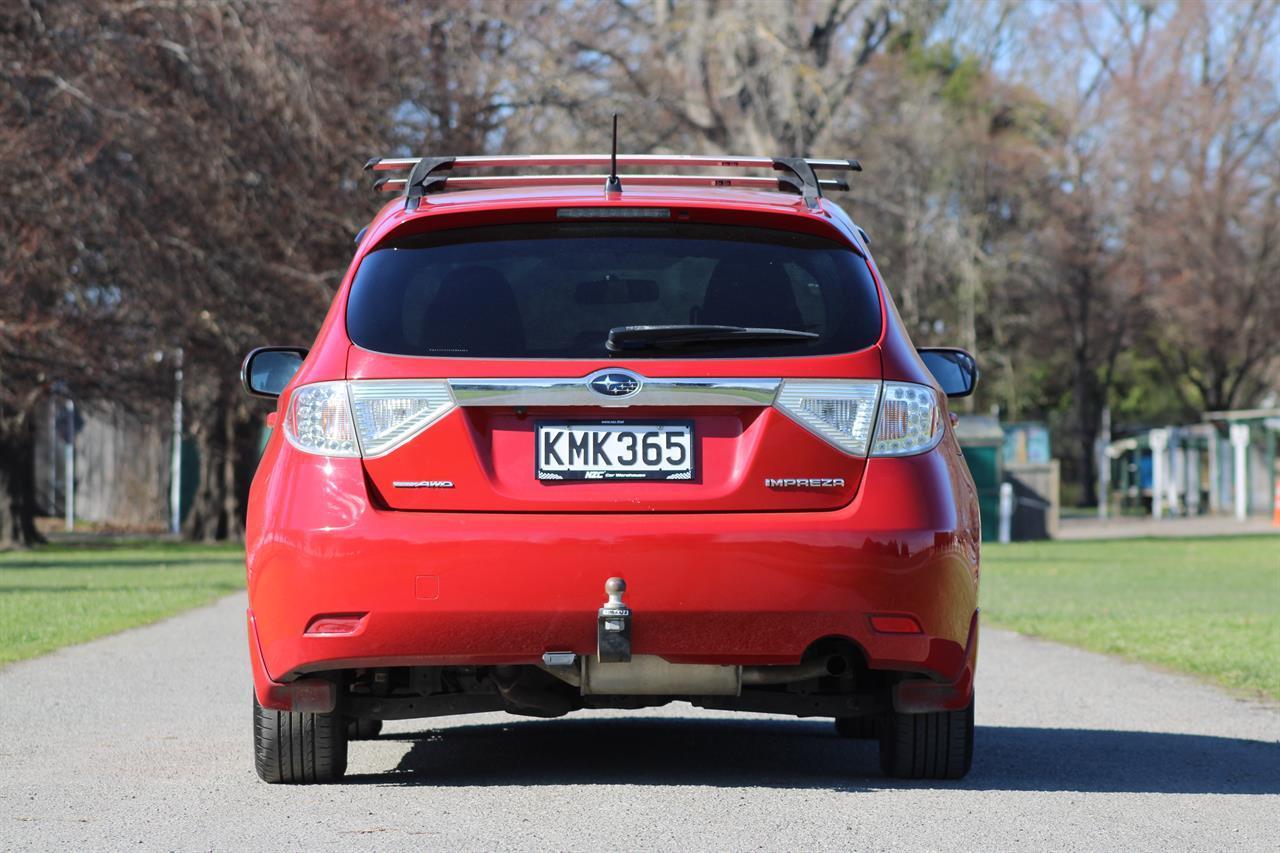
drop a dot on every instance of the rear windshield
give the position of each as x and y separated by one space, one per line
555 290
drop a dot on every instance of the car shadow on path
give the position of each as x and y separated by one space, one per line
808 754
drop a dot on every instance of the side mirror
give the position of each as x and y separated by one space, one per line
955 369
267 370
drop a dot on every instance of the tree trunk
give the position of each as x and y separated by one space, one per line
1087 409
231 506
207 520
226 444
18 486
204 520
1086 467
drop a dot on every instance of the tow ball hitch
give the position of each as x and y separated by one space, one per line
613 625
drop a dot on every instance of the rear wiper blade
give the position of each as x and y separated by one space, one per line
622 338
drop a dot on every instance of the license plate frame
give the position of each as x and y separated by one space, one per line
615 473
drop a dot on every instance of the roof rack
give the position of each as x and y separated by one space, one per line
435 174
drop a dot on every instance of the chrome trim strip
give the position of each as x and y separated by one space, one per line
574 391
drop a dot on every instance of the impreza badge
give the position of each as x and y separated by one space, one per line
804 482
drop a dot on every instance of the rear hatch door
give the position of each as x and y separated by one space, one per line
507 333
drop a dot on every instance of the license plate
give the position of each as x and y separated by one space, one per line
615 450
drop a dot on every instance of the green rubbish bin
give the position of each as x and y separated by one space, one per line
982 441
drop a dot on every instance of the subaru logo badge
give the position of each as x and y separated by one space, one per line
614 383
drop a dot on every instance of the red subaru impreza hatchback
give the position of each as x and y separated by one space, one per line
572 442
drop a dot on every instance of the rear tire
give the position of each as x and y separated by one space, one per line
858 728
937 745
363 728
298 748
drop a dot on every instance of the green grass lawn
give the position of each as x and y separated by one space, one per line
1208 606
56 595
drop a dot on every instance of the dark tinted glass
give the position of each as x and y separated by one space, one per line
270 370
955 370
555 290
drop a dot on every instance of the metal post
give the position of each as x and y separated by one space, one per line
1193 480
1240 444
53 455
1104 464
1159 441
1006 512
69 451
1215 471
175 458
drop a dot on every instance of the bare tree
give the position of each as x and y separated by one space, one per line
64 317
1066 189
1206 117
183 175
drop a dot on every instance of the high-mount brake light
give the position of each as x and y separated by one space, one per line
613 213
363 418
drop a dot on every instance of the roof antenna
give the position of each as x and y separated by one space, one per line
613 185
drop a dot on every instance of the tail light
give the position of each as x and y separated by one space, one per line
903 415
841 412
319 420
908 420
390 412
363 418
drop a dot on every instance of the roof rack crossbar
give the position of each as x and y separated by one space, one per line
783 183
499 161
427 174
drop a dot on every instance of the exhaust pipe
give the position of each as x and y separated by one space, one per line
759 676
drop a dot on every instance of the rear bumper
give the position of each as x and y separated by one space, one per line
473 588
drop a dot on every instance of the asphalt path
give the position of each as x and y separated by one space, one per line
142 741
